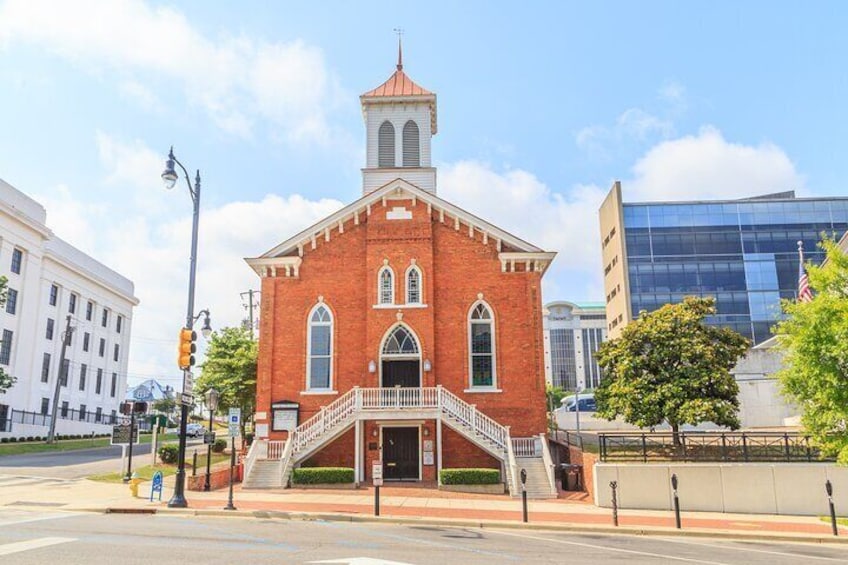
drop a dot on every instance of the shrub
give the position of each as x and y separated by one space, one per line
169 453
219 446
4 440
322 475
248 438
30 438
38 438
470 476
13 439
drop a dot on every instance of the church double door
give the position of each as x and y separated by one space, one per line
401 373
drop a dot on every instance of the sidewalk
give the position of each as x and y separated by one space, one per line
416 505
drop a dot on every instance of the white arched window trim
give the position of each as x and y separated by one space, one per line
410 298
311 357
411 145
386 145
470 321
385 287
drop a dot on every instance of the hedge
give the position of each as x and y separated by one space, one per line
219 446
169 453
469 476
322 475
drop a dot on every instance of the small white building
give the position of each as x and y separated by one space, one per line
49 280
573 333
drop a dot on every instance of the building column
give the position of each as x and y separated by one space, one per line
438 449
357 452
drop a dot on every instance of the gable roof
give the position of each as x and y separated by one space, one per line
519 250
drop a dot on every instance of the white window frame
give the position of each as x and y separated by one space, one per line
382 270
420 284
492 322
309 324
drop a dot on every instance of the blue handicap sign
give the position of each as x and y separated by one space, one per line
156 486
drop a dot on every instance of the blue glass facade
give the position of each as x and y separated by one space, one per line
744 253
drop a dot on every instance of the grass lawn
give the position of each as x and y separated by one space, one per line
146 473
840 521
21 448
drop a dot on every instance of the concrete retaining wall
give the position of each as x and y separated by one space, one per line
756 488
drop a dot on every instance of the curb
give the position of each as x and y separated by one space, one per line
482 524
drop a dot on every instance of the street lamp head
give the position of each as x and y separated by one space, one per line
212 399
169 175
206 330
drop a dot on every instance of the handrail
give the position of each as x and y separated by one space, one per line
525 446
275 449
549 463
477 421
513 467
251 456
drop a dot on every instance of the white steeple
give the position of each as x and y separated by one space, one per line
400 120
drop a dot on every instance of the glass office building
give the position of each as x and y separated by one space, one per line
572 334
742 252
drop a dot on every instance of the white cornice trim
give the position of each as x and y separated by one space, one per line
274 266
306 238
533 262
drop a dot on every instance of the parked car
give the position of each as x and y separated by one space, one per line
587 403
195 430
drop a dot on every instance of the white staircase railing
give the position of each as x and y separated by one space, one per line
338 415
512 470
275 449
252 453
549 463
525 446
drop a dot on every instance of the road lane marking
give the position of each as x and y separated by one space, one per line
752 550
17 547
14 517
613 549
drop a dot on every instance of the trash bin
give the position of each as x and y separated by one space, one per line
572 476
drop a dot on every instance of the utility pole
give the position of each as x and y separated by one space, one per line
250 305
66 339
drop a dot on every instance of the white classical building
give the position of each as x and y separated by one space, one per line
573 333
49 280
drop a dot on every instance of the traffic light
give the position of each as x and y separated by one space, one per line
185 357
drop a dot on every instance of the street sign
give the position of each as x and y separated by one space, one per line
188 384
234 422
121 434
157 485
187 399
209 437
377 473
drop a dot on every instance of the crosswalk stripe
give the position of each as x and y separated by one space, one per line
17 547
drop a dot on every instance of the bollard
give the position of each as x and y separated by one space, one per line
523 496
377 500
676 501
229 505
828 487
194 465
614 486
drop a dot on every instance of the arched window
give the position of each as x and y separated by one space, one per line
411 146
319 344
386 286
400 342
386 145
481 337
413 285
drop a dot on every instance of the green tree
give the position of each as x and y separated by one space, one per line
165 405
814 340
668 365
6 380
555 394
230 368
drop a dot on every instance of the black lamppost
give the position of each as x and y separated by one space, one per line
170 177
212 404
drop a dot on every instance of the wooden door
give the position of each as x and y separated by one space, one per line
400 453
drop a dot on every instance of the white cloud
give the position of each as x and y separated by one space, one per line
238 81
150 244
698 166
708 166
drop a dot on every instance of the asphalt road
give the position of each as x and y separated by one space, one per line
76 464
57 537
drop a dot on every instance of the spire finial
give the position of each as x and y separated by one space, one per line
399 32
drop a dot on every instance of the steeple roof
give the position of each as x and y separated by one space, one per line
399 84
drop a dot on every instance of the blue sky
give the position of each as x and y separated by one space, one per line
541 106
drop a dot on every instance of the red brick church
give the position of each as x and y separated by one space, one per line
402 328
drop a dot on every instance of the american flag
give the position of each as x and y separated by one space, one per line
804 292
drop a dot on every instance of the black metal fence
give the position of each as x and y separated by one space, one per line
38 419
708 446
567 438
